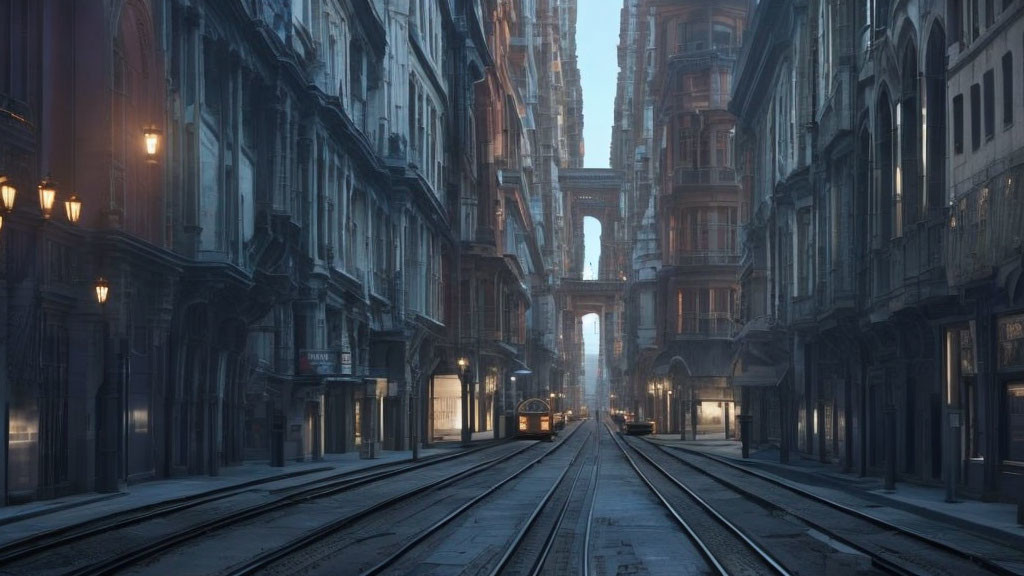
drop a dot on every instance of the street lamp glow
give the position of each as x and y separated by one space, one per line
73 208
102 290
7 195
152 138
47 194
463 363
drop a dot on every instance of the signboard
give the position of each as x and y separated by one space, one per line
1011 342
318 362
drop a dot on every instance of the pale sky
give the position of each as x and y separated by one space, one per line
597 37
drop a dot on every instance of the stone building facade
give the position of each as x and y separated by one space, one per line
673 138
302 258
880 273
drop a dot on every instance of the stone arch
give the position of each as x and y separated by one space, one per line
136 94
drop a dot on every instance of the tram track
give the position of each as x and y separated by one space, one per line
409 548
73 546
532 549
726 549
893 549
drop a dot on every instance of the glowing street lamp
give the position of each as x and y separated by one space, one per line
7 195
47 194
73 208
151 136
102 290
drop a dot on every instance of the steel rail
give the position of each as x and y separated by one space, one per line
434 528
133 556
709 556
878 559
517 540
593 504
44 542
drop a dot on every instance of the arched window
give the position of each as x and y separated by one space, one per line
934 112
908 198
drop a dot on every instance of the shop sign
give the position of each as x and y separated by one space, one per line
1011 342
346 363
318 362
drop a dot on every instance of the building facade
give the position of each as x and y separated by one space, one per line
343 199
673 138
879 289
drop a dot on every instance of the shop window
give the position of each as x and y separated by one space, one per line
1014 438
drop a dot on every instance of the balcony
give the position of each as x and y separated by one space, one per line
705 325
705 258
697 55
985 229
718 176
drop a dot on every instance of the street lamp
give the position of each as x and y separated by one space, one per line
152 139
102 290
73 208
463 363
7 195
47 194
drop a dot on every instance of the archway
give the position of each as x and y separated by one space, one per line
592 371
591 248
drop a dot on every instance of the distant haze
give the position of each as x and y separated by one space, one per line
597 39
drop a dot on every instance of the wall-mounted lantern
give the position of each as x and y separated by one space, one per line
102 290
73 208
151 136
47 194
7 194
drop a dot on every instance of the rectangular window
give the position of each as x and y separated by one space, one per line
958 124
990 104
975 116
1007 88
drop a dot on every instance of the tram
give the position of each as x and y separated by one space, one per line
535 420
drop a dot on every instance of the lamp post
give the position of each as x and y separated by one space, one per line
416 422
467 436
506 408
110 426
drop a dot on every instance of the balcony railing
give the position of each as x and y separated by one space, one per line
715 324
985 228
705 258
714 175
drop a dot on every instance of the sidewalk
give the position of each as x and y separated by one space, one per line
24 520
998 520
